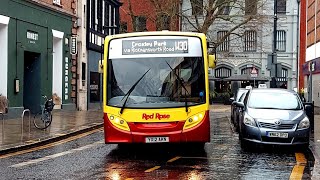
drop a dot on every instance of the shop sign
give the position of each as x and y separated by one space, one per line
32 37
56 2
311 66
73 47
66 79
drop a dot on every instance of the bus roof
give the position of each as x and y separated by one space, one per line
153 33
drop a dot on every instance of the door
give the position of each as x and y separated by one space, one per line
32 81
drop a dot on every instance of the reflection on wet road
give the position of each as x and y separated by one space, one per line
89 158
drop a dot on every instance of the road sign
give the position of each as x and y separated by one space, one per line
254 72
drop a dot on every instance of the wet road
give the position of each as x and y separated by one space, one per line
87 157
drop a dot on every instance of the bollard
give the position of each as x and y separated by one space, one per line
22 116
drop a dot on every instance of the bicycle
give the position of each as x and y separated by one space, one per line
43 119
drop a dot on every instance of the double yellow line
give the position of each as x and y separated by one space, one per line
298 169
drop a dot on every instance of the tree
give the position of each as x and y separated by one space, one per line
202 15
155 15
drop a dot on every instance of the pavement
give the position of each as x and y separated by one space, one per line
18 134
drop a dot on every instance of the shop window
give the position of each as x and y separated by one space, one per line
94 87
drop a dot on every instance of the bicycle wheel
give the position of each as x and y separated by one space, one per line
42 120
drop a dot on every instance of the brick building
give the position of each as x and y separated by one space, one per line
310 50
35 54
143 16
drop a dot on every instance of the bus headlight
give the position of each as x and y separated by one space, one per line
118 122
193 120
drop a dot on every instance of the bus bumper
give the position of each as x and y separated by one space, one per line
199 133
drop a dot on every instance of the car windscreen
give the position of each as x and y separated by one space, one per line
240 93
274 100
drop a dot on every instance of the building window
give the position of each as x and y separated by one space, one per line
163 22
281 40
250 41
197 7
140 23
123 27
251 7
224 46
281 6
102 19
222 72
282 81
225 10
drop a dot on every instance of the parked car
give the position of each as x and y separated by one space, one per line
273 116
237 111
235 99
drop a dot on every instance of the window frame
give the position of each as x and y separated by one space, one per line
225 45
250 41
281 42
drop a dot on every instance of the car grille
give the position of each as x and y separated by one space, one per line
274 126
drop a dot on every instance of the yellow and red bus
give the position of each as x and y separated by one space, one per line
156 87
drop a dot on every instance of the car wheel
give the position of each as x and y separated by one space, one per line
237 126
244 144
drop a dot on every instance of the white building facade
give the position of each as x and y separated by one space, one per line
247 47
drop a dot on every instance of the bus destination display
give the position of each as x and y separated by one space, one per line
154 46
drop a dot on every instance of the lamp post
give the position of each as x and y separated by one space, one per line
298 46
274 47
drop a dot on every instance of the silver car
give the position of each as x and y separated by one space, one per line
273 116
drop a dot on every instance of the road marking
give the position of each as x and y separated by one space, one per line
174 159
60 134
152 169
49 145
297 171
34 161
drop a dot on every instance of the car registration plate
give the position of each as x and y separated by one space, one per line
278 134
157 139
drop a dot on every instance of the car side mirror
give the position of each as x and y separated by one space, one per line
240 104
232 99
308 108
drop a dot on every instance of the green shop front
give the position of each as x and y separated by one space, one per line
34 56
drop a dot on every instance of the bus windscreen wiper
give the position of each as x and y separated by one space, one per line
130 91
181 82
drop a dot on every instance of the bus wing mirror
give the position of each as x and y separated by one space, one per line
100 66
212 61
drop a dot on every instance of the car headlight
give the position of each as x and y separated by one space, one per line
118 122
304 124
249 121
193 120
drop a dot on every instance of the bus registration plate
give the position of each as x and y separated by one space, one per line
157 139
